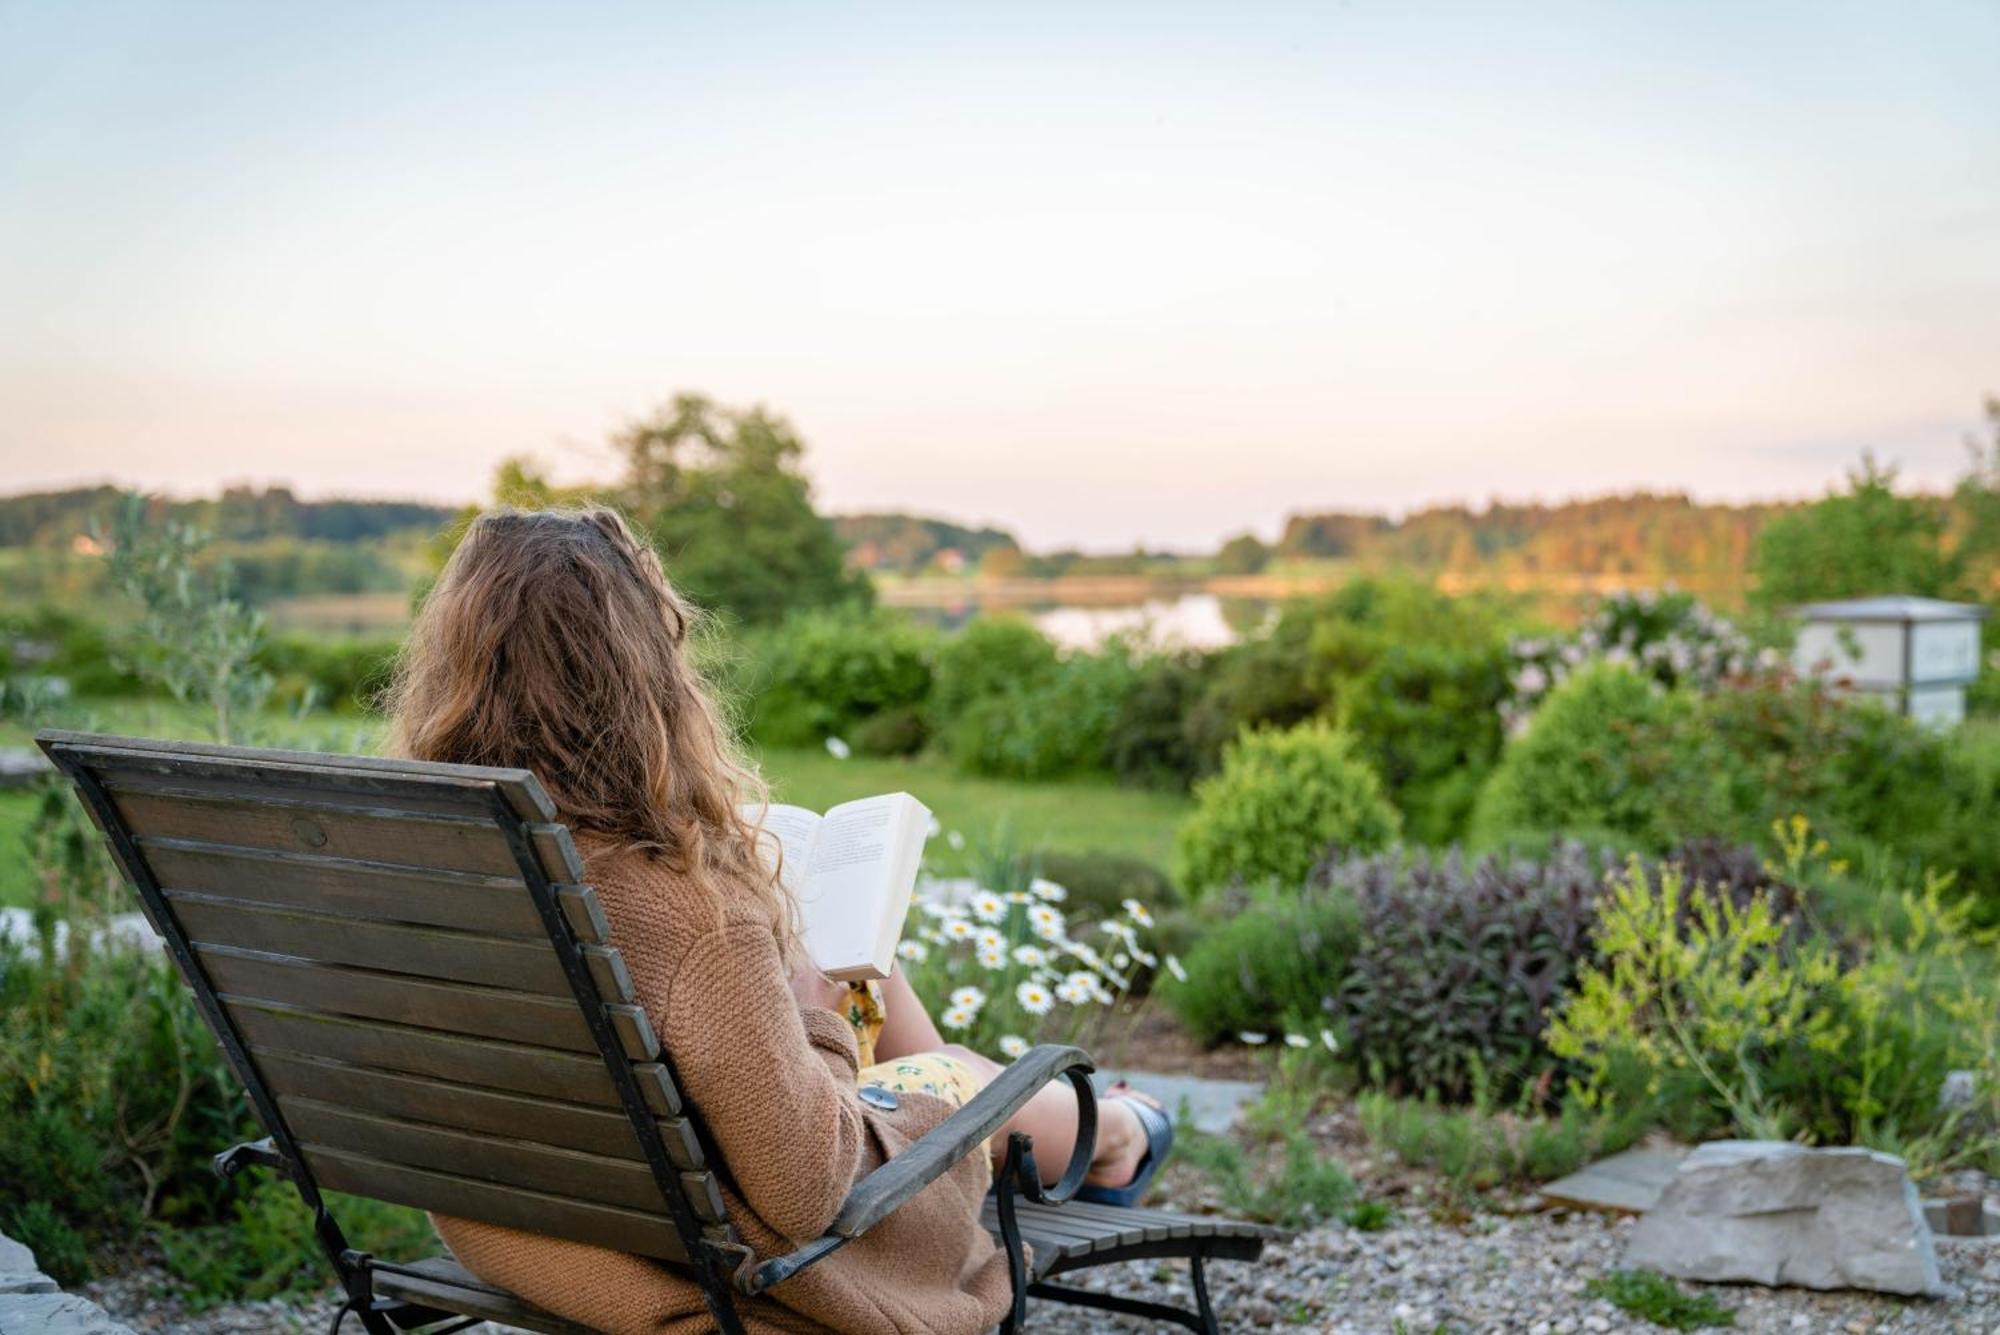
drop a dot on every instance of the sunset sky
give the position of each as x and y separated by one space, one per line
1099 273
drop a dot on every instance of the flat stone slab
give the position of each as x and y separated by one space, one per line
1775 1213
20 767
1628 1183
1212 1105
56 1314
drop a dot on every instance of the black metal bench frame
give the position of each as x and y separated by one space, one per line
723 1267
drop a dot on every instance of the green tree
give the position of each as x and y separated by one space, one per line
1242 555
1865 540
720 493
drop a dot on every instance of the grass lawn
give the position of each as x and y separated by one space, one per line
1075 815
17 882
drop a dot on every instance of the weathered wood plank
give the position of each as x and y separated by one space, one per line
372 834
591 1130
537 1212
482 1012
512 1067
523 792
445 1285
504 1160
526 965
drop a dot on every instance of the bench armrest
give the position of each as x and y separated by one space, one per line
964 1132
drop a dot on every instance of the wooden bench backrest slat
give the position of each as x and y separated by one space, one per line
351 888
459 1008
371 935
514 1207
514 1067
519 963
545 1121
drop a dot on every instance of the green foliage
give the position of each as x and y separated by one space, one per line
195 638
912 544
720 494
1300 1189
265 1248
1148 743
860 676
1007 704
1459 961
1281 801
1100 883
1783 1035
1478 1149
1278 959
1608 751
309 672
1865 540
990 657
1427 719
50 642
1242 555
1653 1297
113 1096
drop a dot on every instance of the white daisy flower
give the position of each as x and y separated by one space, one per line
1046 922
1019 897
1043 888
937 910
1176 968
991 938
1253 1038
1013 1046
1034 998
936 828
955 839
968 996
1031 955
988 907
958 929
913 951
957 1017
1121 961
1331 1043
1297 1041
1071 994
838 749
995 960
1138 912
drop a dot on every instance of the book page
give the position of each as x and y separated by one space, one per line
860 878
791 830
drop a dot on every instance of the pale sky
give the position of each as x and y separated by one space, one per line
1099 273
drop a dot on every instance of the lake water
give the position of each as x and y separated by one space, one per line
1186 620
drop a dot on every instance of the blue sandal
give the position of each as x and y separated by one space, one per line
1159 1130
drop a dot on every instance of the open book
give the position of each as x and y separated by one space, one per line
852 872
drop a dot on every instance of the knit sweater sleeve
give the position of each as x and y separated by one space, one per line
775 1083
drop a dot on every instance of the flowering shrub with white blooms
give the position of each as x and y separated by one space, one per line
1009 968
1668 637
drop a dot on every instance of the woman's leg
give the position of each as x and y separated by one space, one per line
1050 1116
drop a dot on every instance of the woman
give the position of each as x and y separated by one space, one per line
553 642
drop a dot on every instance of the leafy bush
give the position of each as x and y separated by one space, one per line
1427 718
1458 961
1670 639
1782 1035
1281 799
990 656
1278 959
1148 742
1301 1189
1477 1149
1056 724
861 676
113 1098
1608 751
311 671
53 642
266 1249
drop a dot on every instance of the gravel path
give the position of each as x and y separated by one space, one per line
1494 1274
1499 1274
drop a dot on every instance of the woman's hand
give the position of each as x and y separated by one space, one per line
814 988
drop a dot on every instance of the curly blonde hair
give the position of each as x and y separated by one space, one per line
553 642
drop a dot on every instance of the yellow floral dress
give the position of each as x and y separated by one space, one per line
933 1073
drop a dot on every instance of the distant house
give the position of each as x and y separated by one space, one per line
951 560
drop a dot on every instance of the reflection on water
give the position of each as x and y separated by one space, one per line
1186 621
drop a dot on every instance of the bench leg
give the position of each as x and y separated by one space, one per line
1201 1319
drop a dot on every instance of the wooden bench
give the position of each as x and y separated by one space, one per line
404 967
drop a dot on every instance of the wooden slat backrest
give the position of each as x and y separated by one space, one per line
374 945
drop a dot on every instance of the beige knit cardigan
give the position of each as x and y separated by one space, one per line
775 1084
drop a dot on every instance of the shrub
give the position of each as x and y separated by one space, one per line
1279 959
1608 751
1781 1034
861 676
1459 962
1280 800
1427 718
1148 743
1476 1149
1054 725
990 656
309 671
